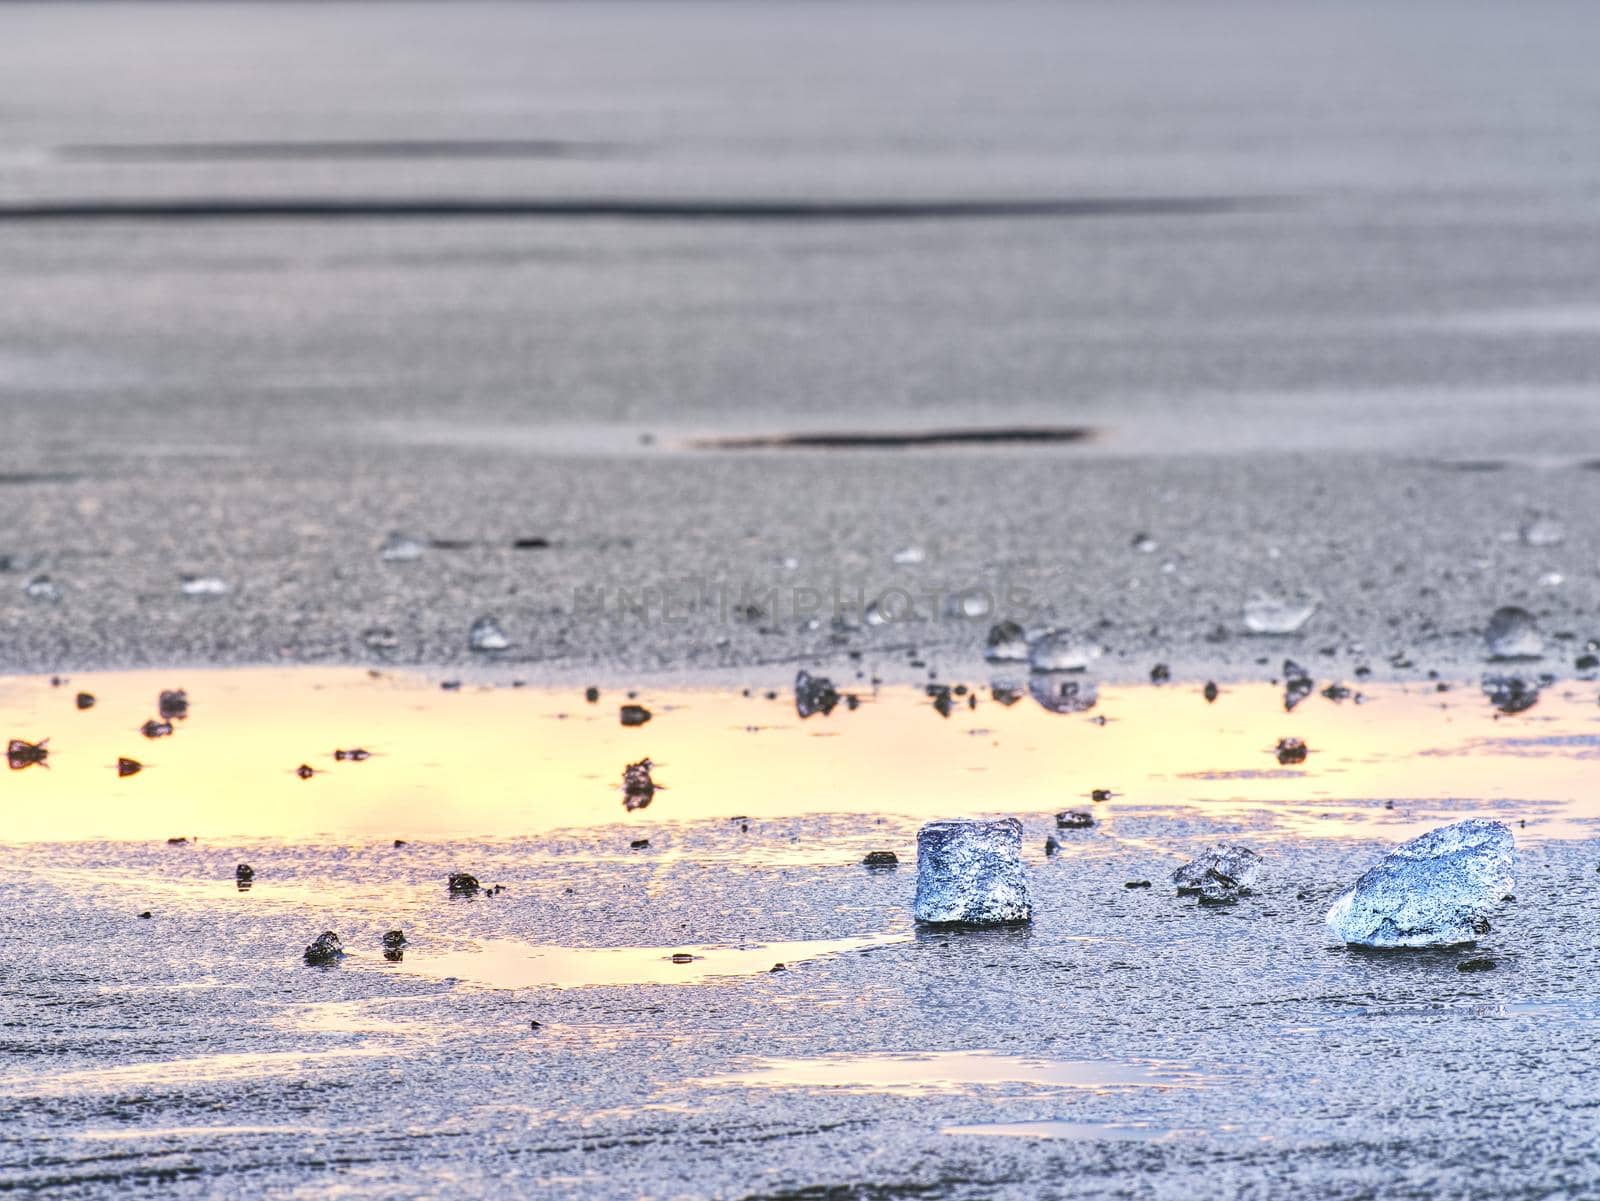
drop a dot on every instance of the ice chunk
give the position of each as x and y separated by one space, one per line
486 635
1543 531
1510 694
1434 891
970 873
204 585
1291 750
1265 614
1220 866
638 789
1297 685
1059 650
380 638
1007 643
1513 634
814 694
1061 695
324 950
400 547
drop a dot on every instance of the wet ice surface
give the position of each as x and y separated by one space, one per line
1126 1039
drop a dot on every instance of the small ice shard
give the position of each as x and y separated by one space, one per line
486 635
203 585
814 694
1434 891
969 605
633 715
1063 696
325 950
1007 643
1297 685
909 556
128 767
1543 531
638 789
1224 865
1060 650
970 873
21 754
1265 614
1513 634
1005 693
42 588
400 547
1074 819
463 884
1291 750
173 704
380 638
1510 694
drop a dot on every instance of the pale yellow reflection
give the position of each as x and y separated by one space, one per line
508 964
184 1073
958 1072
503 762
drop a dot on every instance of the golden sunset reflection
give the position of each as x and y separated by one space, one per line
497 762
510 964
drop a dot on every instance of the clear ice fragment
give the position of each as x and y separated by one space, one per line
1434 891
1513 634
486 635
1265 614
970 873
400 547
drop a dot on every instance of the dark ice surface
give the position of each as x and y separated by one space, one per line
1350 379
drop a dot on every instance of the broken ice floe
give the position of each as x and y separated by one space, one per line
1434 891
971 873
